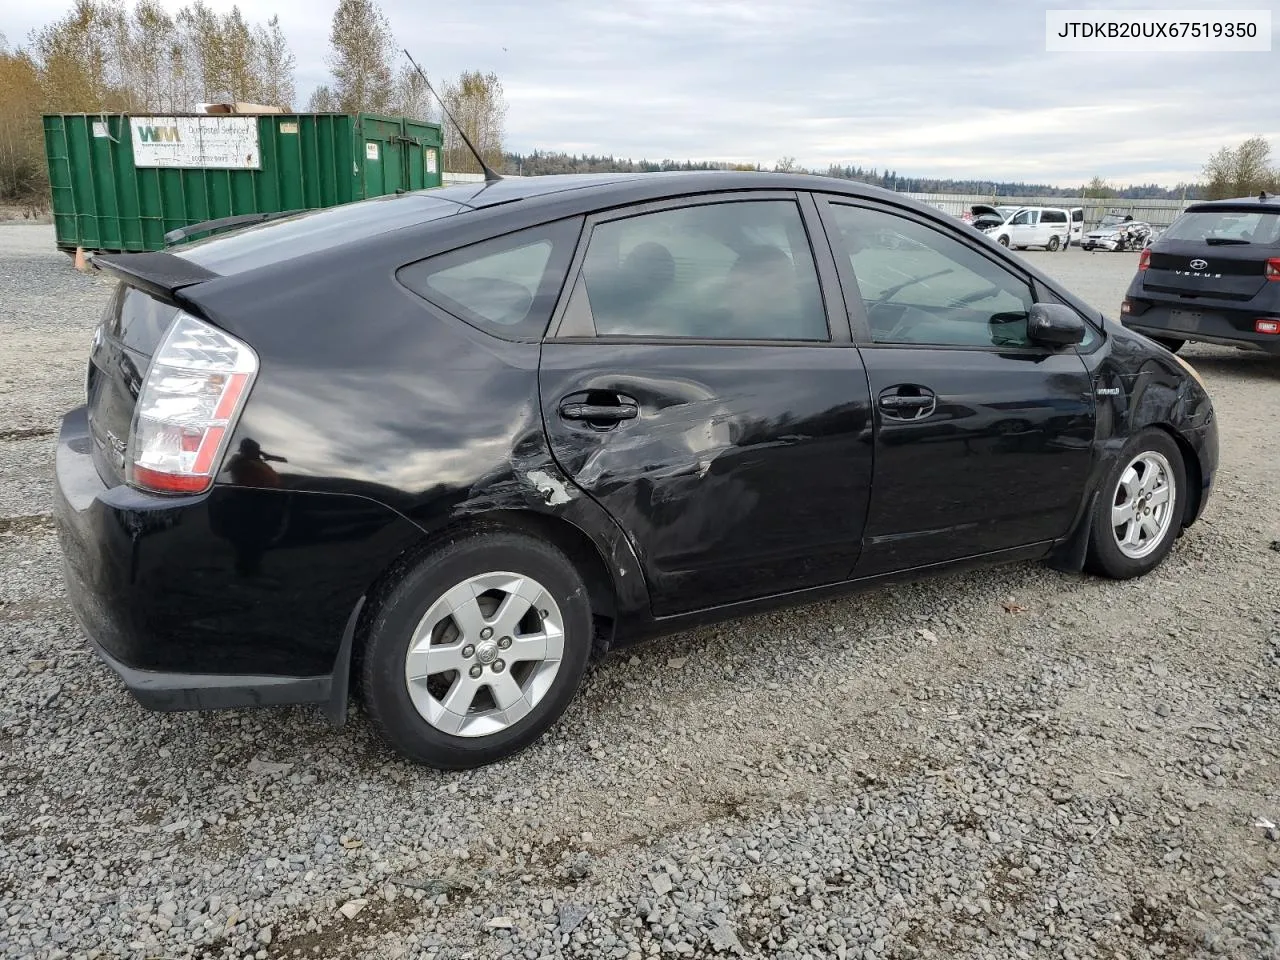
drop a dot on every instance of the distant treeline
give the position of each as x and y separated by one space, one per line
540 163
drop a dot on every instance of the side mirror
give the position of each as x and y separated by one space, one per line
1054 324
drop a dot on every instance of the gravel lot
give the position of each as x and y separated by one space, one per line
1012 763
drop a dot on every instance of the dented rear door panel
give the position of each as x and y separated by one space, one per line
744 472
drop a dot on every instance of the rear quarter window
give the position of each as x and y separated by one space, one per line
506 286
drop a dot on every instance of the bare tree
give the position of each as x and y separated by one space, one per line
276 64
477 102
22 171
322 100
361 50
1240 171
151 38
1099 189
412 98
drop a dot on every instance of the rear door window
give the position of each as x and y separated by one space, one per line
742 270
506 286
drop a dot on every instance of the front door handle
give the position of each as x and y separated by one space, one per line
599 413
907 402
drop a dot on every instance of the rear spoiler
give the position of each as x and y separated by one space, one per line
225 223
160 275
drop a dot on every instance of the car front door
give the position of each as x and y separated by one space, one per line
983 440
692 385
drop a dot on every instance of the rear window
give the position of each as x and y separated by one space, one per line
506 286
1260 227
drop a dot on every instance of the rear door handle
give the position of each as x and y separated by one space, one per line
600 414
907 402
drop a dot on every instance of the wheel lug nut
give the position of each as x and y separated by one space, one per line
476 671
498 666
504 642
486 633
468 651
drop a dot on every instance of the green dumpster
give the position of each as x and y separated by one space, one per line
120 182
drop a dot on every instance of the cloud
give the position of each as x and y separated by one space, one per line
925 87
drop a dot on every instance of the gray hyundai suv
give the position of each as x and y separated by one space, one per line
1213 276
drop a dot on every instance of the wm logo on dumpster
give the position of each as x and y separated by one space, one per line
159 135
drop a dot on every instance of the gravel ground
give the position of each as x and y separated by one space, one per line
1010 763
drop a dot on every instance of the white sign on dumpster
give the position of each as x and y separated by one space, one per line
202 142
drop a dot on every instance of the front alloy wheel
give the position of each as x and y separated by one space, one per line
1143 506
1139 508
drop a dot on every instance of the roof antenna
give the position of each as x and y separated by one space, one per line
490 176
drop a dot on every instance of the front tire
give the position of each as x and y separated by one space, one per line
1003 241
1138 511
476 651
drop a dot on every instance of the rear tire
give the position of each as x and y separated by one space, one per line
1170 344
477 650
1138 511
1053 244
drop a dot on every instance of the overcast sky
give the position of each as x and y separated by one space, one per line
960 88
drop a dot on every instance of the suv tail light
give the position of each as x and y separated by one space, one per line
1144 259
195 387
1272 271
1266 326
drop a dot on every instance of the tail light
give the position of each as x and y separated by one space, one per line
1272 271
1144 259
195 387
1266 326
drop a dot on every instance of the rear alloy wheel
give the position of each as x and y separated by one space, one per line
1169 343
1053 244
1139 508
477 651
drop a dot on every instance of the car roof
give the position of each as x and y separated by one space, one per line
1270 204
608 188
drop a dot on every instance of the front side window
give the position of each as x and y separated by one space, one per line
506 286
1023 219
930 288
721 271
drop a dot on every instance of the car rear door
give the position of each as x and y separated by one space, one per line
692 385
983 441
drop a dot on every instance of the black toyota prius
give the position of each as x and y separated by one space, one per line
441 447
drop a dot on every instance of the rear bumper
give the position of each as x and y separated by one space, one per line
157 690
234 598
1228 326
